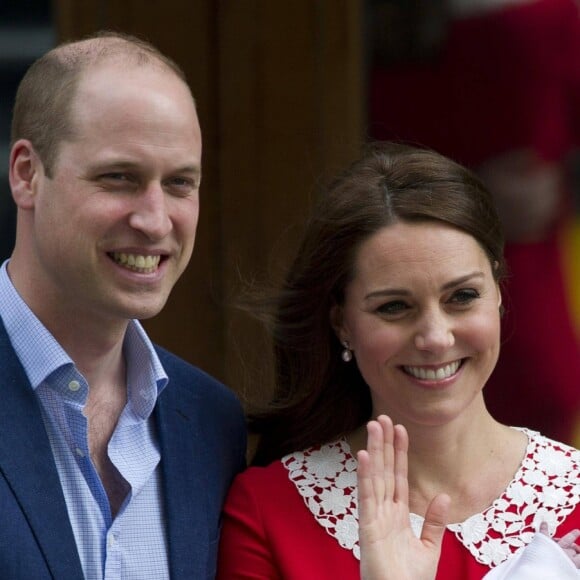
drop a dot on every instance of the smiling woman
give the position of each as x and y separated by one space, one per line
421 316
392 306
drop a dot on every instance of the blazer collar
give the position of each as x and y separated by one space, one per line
27 464
184 483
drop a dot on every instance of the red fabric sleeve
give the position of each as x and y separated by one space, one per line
268 533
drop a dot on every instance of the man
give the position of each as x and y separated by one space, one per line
115 456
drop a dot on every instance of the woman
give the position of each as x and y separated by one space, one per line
392 306
509 70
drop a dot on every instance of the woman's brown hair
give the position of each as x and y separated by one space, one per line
318 397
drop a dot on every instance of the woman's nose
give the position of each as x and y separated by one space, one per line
435 333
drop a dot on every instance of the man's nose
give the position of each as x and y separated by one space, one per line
150 214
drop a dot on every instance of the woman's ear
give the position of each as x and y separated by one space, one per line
498 287
25 166
500 305
336 321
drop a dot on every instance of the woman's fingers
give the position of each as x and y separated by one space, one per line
436 518
385 461
401 446
385 457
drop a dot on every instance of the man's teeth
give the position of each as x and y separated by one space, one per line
443 372
137 262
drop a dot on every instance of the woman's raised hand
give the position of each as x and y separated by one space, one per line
389 548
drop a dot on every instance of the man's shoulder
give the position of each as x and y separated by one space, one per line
218 412
184 375
174 364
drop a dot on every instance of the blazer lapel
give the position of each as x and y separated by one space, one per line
27 464
184 484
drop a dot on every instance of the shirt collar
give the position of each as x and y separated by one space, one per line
38 351
41 355
146 376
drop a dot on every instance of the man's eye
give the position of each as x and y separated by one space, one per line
117 179
181 185
180 181
392 308
115 176
464 296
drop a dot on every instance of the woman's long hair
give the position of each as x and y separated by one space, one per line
318 397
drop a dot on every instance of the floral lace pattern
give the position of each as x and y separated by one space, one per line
545 488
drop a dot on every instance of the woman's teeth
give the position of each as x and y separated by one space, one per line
432 374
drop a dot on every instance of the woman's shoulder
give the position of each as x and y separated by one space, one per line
544 489
321 464
547 479
257 485
261 476
319 460
551 456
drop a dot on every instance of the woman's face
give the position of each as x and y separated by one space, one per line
422 318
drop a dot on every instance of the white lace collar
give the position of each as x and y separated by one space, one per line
545 488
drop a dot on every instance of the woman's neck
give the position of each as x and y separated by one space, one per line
471 460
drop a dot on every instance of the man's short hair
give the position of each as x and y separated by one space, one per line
45 96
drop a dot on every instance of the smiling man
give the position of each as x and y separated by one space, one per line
115 455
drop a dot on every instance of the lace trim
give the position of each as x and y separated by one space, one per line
545 488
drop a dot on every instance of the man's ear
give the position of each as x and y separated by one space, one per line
25 169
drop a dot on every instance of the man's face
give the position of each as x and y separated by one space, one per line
114 228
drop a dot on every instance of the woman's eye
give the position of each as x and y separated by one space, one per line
464 296
392 308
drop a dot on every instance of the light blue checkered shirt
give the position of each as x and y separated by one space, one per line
133 546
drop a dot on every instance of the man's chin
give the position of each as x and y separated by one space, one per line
138 309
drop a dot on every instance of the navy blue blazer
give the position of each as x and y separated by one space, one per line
203 442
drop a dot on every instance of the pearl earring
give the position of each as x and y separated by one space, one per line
346 353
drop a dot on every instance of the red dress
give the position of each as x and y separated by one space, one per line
506 80
297 520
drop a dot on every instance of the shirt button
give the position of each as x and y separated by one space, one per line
79 452
74 386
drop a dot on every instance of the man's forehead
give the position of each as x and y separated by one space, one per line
115 80
121 65
88 52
